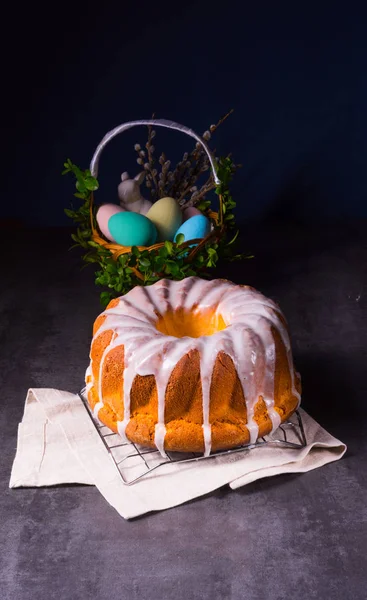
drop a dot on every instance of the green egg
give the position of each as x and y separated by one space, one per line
166 216
132 229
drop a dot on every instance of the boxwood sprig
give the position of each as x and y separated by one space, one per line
145 267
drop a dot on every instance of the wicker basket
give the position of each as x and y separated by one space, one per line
123 267
217 226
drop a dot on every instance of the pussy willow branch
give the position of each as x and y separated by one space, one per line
197 161
207 187
221 120
151 162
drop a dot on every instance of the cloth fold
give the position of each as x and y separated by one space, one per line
58 444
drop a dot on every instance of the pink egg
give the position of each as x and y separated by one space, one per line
190 212
104 213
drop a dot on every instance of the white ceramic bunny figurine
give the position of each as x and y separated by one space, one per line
129 194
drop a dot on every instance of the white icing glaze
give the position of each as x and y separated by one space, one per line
247 339
96 410
88 384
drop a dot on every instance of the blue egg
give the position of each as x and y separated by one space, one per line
132 229
196 227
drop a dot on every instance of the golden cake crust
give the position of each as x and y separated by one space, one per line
183 402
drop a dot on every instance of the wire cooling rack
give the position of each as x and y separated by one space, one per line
134 462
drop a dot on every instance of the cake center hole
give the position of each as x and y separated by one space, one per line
183 323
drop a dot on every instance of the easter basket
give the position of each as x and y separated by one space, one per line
122 267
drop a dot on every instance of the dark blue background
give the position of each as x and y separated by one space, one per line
295 73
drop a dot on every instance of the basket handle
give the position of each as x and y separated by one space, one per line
157 122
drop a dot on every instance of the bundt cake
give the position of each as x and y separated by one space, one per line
192 365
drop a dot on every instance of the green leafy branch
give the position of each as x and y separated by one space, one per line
145 267
85 182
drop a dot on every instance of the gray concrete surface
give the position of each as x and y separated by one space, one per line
291 536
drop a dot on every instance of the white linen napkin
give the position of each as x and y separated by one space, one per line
58 443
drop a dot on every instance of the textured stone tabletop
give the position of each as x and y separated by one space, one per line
291 536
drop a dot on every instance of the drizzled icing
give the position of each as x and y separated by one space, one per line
247 339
